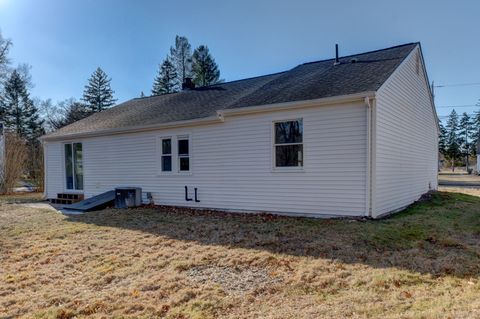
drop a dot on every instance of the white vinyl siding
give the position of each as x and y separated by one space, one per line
231 164
54 169
406 139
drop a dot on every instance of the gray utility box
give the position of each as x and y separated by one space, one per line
126 197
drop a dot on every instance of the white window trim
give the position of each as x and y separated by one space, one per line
178 157
174 153
286 169
160 152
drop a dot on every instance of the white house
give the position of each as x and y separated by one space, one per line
355 136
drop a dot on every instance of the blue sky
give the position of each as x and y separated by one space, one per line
65 40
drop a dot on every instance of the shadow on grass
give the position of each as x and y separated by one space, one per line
439 236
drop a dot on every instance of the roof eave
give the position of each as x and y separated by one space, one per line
132 129
218 118
339 99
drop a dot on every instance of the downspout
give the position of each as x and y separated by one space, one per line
370 174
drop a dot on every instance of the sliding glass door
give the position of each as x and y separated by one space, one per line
73 166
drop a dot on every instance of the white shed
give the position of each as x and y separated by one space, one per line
357 137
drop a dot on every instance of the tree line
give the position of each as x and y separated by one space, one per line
181 64
177 66
458 138
28 118
32 117
21 120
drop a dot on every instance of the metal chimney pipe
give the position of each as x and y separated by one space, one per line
336 54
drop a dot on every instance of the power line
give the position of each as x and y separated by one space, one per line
444 116
456 106
457 84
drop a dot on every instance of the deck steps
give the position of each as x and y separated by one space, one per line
66 198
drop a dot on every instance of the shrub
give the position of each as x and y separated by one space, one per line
13 165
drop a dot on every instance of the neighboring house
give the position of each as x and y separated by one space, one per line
357 137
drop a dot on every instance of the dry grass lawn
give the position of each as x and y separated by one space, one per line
159 262
458 178
474 191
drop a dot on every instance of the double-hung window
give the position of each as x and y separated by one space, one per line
175 154
288 143
183 154
166 160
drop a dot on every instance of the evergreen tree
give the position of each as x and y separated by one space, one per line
181 56
442 139
166 81
35 124
18 111
465 135
475 130
98 95
204 69
453 141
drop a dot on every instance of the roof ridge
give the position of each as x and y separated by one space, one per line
362 53
250 78
280 72
204 87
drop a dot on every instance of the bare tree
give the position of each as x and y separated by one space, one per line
16 153
181 55
5 45
62 113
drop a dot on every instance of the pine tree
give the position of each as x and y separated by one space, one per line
465 135
205 70
166 81
453 141
98 95
442 139
35 124
181 56
475 130
18 111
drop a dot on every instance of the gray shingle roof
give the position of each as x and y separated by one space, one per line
305 82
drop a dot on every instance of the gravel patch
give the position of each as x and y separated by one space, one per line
234 281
